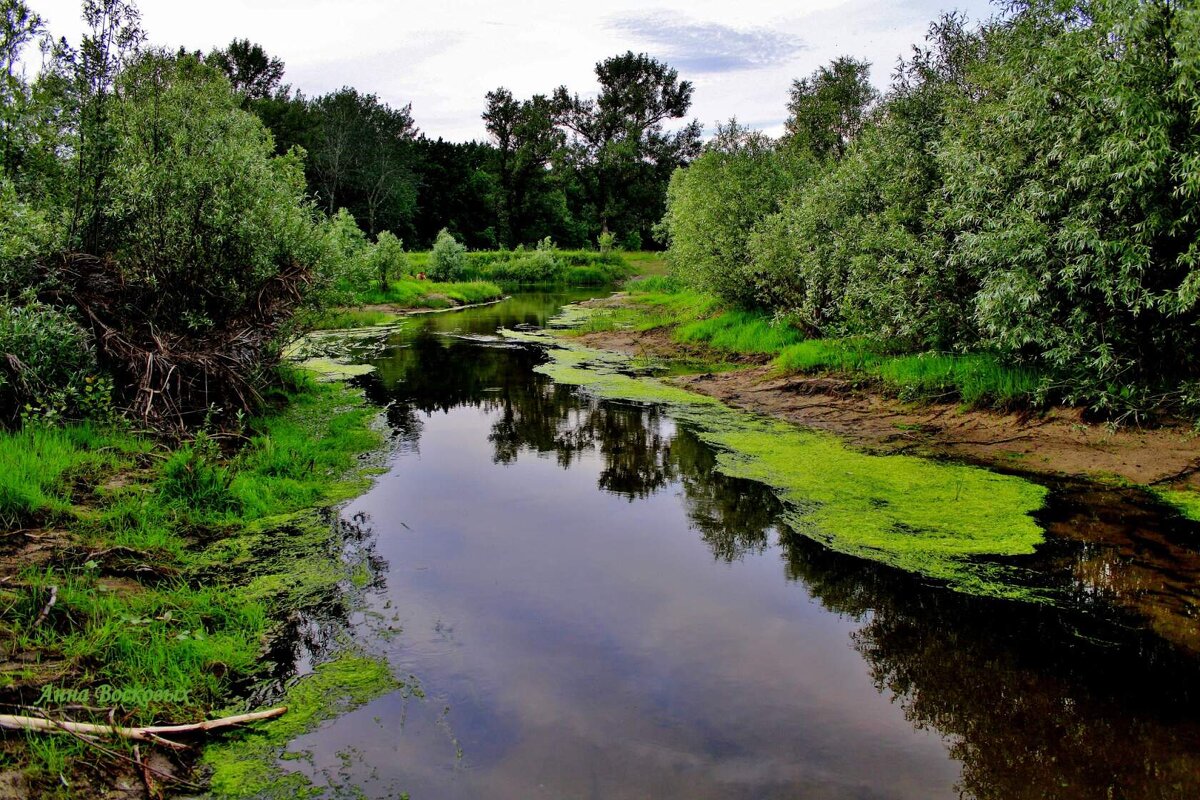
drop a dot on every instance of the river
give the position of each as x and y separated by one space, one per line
582 607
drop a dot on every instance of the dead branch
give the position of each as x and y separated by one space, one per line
46 609
152 734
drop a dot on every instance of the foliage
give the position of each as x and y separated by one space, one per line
1072 187
738 180
448 259
388 258
617 143
1025 191
829 108
251 72
46 362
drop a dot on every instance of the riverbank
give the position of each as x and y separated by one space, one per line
182 576
751 372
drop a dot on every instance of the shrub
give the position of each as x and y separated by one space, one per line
24 233
448 258
714 204
46 361
388 258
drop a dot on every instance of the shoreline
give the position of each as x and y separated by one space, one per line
1058 443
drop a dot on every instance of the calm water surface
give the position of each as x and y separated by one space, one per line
586 610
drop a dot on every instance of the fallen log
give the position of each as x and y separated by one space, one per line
153 733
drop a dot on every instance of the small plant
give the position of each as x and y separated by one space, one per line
607 241
46 363
448 259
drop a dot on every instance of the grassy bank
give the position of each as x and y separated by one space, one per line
566 267
976 379
170 568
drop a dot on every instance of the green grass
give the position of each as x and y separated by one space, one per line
228 543
570 268
740 332
39 467
977 379
411 293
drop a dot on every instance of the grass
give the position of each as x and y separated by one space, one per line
411 293
569 268
977 379
740 332
658 301
225 543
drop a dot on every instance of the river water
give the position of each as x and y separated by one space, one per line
582 607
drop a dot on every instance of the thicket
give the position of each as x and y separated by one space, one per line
1027 188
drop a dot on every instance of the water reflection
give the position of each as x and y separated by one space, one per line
1033 702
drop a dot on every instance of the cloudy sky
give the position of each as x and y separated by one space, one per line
442 56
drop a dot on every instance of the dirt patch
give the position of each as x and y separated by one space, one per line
1058 442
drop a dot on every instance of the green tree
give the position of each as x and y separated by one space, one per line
526 140
712 206
251 72
1073 182
618 144
388 258
830 107
448 258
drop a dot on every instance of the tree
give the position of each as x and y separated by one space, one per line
251 72
1073 183
619 144
714 204
526 140
829 108
360 158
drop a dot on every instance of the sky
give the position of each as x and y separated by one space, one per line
443 56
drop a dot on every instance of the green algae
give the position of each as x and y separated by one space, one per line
328 369
248 766
943 521
1185 501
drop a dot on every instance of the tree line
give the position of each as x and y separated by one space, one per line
553 164
1028 186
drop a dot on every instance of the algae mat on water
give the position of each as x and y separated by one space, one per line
944 521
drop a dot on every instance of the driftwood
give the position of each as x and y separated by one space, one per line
153 733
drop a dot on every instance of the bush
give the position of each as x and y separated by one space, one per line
46 362
388 258
448 259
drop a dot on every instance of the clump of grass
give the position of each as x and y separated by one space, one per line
194 478
741 332
975 378
39 464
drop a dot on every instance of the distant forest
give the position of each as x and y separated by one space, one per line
554 165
